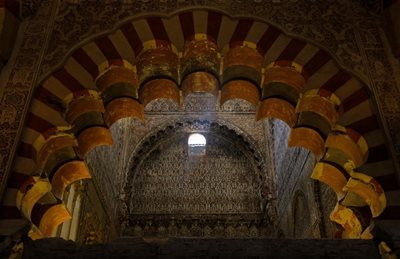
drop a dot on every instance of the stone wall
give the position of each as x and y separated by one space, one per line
295 195
109 177
292 168
94 224
328 202
204 248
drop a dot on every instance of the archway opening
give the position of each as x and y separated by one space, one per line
108 99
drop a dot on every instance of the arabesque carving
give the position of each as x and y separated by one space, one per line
218 194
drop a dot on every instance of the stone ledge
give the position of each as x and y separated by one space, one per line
203 248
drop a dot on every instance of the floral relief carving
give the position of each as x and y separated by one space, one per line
18 88
224 181
380 72
223 193
8 114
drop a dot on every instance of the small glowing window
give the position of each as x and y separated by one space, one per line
197 140
197 145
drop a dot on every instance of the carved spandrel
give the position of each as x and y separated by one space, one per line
381 72
200 103
18 89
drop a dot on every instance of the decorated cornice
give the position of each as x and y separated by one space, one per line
207 226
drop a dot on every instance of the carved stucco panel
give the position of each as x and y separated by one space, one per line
170 181
17 89
380 73
161 156
130 134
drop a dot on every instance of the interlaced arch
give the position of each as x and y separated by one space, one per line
114 77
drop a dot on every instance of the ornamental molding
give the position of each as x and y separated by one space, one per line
205 226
